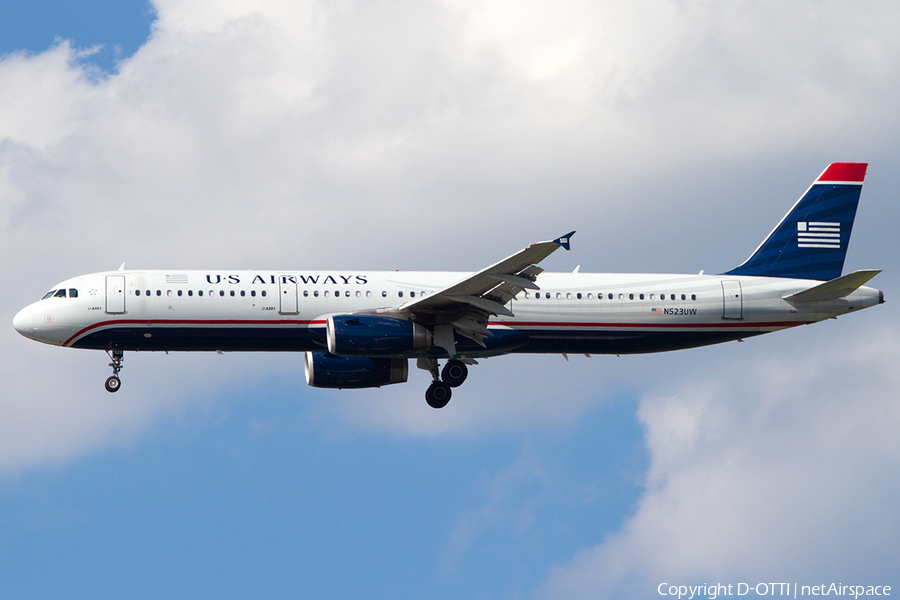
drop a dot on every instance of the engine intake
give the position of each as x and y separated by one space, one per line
372 335
325 370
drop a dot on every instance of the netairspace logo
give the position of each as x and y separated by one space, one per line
770 589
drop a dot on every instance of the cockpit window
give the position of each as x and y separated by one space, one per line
73 293
60 294
48 294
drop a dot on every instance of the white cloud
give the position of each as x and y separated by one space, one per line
777 468
404 135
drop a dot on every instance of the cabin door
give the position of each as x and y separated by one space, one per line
115 294
733 300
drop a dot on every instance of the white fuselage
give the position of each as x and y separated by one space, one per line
285 310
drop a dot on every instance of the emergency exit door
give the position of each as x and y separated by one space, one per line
287 294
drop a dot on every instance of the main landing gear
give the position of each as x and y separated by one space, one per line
113 383
453 375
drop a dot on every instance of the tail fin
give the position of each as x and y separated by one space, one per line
811 240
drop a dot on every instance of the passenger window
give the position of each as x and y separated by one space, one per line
653 296
568 295
159 292
631 296
400 294
347 293
243 293
73 293
693 296
641 296
610 296
221 293
137 292
383 294
180 293
368 293
190 292
683 297
316 293
327 294
60 294
621 296
671 296
578 295
253 293
232 293
590 296
200 293
412 294
263 293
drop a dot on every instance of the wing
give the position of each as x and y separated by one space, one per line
466 306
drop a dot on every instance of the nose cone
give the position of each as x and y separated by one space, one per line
24 322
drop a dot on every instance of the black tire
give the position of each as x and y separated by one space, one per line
454 373
113 384
438 395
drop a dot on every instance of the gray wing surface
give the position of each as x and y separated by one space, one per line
466 306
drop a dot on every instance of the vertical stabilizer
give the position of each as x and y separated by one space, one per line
810 242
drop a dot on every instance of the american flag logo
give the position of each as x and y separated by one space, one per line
655 311
813 234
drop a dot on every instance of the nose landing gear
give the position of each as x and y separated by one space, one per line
113 383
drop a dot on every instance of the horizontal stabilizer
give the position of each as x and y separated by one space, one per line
836 288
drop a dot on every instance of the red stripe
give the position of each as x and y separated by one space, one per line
855 172
513 324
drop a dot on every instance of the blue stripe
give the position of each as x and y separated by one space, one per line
300 339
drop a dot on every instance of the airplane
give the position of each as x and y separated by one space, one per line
359 329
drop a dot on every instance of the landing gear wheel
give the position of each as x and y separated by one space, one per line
454 373
113 384
438 394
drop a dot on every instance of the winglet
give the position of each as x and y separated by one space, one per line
564 240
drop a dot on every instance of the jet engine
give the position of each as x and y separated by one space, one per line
324 370
373 335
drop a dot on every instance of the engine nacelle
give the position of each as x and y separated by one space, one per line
325 370
373 335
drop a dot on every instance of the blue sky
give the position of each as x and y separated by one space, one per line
119 28
257 501
443 135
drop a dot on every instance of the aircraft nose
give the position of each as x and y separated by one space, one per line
24 322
